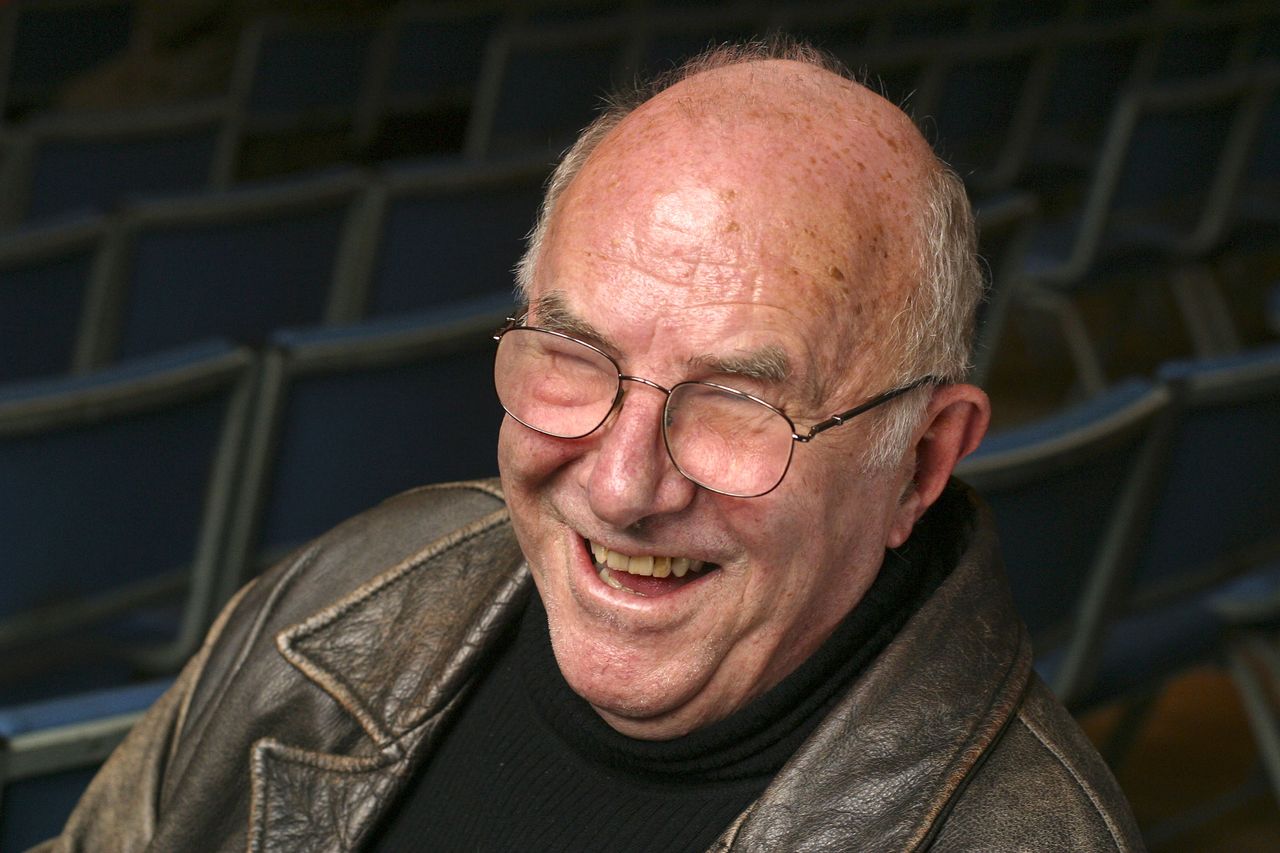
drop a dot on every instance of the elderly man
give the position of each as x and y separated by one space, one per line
764 618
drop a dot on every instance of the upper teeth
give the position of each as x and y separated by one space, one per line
647 565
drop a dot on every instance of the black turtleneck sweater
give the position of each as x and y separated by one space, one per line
529 766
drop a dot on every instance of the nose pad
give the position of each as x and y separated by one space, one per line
632 476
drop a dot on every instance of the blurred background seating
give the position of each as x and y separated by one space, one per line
44 286
236 264
477 217
410 396
338 192
70 163
50 750
117 489
1066 492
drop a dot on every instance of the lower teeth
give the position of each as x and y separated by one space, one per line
608 578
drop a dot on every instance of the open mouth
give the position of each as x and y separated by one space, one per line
646 574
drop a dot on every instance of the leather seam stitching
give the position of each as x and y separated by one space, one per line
1087 789
287 640
268 747
977 748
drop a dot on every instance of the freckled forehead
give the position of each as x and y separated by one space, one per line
771 181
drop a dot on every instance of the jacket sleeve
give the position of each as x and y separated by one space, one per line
118 810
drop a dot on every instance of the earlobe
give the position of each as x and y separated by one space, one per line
953 426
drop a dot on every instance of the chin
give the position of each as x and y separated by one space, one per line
635 693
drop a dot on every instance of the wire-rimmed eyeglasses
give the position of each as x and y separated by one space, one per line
723 439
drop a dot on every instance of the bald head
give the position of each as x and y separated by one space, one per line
781 152
828 189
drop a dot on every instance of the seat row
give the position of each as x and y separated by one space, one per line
1185 178
409 49
1164 154
494 83
332 248
138 497
1187 172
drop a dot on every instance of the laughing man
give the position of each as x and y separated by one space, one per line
725 597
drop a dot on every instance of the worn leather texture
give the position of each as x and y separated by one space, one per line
325 683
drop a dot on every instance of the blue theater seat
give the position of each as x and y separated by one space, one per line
1066 492
350 416
63 164
44 284
116 491
235 265
442 233
540 85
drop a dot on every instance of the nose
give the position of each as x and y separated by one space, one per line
631 476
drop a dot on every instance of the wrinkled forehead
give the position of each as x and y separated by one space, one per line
805 182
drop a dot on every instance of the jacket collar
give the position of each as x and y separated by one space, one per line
396 654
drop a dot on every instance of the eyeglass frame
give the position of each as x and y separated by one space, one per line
830 422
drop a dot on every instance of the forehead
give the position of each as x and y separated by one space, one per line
717 217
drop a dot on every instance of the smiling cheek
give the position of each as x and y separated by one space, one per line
780 569
813 549
532 466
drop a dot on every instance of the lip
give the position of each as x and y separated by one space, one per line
598 597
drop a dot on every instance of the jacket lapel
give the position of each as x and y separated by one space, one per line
396 655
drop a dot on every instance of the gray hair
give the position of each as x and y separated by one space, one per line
931 336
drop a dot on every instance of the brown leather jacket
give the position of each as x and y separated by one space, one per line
324 684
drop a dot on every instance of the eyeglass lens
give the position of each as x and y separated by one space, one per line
719 438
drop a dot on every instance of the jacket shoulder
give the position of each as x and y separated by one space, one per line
1043 786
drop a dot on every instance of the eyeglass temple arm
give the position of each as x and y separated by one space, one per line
842 417
512 323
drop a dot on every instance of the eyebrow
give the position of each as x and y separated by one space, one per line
766 364
551 311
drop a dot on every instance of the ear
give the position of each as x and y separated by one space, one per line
954 423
